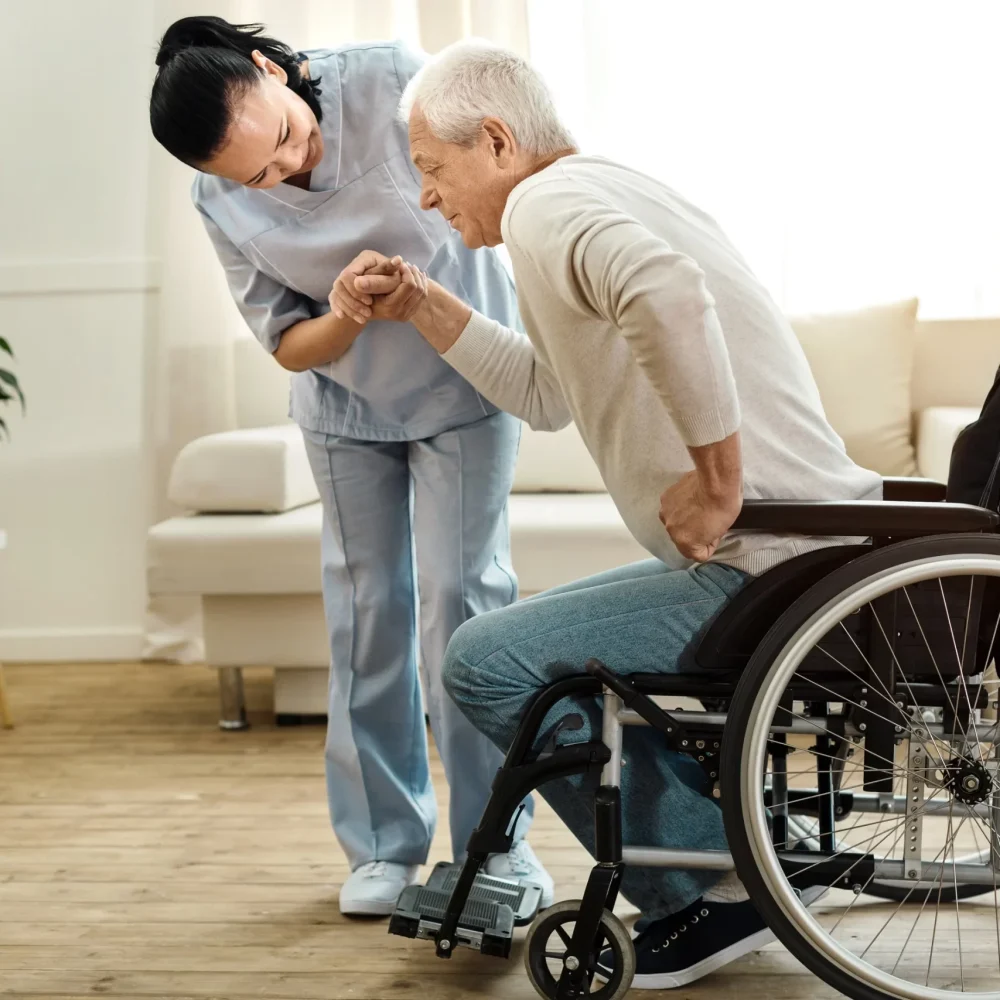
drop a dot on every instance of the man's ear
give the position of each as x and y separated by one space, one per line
501 141
268 67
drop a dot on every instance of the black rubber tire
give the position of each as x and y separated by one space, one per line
615 936
738 723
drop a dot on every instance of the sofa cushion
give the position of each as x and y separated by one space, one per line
236 553
863 364
258 470
555 462
938 429
555 539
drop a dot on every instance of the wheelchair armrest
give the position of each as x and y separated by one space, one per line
862 518
911 489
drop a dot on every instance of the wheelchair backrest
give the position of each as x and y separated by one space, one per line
974 472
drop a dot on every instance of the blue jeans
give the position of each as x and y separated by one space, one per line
643 618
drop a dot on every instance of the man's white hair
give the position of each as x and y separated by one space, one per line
472 80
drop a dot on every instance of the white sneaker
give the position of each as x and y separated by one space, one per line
521 865
373 889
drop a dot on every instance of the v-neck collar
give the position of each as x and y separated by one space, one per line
325 178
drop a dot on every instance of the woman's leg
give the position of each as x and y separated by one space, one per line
381 800
461 481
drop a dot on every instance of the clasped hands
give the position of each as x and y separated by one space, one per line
374 286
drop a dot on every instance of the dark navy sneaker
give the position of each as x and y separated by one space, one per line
690 944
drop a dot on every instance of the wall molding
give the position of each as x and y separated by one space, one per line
71 645
56 276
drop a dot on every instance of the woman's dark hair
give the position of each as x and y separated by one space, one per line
205 69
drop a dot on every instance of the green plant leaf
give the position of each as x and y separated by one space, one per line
11 379
3 429
4 395
5 347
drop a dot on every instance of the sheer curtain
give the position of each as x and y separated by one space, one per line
190 377
849 148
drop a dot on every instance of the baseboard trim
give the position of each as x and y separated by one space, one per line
68 645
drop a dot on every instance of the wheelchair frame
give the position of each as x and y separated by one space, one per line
627 701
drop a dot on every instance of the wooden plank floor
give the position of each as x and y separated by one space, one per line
145 854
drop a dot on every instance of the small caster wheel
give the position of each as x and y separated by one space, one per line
546 955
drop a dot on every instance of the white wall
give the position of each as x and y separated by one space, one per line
112 298
78 303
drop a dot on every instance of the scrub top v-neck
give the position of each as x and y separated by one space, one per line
282 249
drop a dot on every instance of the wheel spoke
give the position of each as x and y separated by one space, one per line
857 895
930 651
960 663
927 896
958 919
930 957
844 739
971 814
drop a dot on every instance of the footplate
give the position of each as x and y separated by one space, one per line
494 908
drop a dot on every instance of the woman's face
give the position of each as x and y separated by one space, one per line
274 134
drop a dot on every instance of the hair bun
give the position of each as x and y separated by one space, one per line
201 32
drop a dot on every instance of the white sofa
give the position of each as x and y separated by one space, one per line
897 390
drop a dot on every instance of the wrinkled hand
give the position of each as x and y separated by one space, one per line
397 296
373 286
346 300
695 520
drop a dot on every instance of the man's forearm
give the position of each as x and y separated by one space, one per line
441 317
720 471
315 342
497 361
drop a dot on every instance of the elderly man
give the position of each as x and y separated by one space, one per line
647 328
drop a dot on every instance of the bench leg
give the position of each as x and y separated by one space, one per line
6 719
231 699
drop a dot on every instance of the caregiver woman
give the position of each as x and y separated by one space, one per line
302 166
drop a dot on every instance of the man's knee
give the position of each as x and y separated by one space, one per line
462 672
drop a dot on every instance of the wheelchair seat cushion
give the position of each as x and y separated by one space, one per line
740 627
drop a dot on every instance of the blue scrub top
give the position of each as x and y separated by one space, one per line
283 248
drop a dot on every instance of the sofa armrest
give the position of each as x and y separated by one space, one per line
260 470
912 489
863 518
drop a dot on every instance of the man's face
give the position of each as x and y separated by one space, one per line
467 185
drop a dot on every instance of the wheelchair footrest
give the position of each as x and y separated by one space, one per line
494 908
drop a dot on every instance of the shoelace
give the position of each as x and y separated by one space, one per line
374 869
680 930
516 862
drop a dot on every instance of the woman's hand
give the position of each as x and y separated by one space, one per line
373 286
346 300
397 302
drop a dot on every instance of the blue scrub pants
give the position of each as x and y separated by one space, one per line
408 525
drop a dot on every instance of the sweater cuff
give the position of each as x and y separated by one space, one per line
711 426
473 344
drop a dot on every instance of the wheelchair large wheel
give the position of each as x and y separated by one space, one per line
547 944
830 722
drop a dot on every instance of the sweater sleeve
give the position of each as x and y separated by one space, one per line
501 363
605 262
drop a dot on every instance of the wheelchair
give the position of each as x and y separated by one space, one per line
843 713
